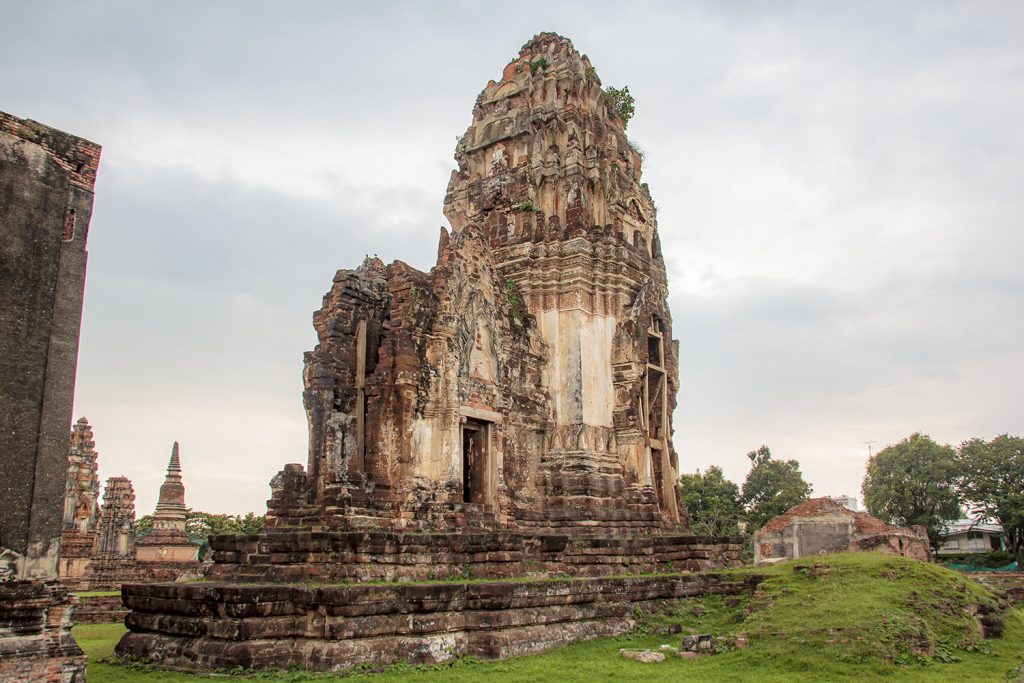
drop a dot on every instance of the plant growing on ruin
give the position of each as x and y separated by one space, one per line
638 149
538 64
620 103
515 302
526 206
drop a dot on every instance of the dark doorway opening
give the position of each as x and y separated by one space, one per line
474 461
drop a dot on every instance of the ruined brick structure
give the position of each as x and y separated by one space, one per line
822 525
168 542
46 196
529 378
113 558
165 554
78 537
507 414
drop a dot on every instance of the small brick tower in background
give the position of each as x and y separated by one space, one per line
81 509
168 542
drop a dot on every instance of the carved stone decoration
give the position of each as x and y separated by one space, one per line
525 354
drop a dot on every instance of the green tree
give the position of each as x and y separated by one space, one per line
771 487
913 482
201 525
991 483
620 102
712 501
143 525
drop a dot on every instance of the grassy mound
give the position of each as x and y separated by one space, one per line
849 617
853 607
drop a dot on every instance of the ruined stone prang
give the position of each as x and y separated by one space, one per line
78 538
46 197
507 414
113 563
529 378
168 541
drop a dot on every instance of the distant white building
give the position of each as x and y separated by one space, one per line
968 536
848 502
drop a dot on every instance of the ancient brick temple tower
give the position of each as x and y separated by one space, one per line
78 536
507 414
168 541
529 378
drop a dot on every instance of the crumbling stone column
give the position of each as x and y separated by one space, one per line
46 194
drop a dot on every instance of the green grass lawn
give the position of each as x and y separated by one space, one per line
856 618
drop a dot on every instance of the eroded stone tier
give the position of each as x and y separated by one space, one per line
78 537
206 627
529 378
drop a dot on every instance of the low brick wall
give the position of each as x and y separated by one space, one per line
100 609
338 556
208 626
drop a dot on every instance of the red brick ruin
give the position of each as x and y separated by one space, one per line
507 414
99 550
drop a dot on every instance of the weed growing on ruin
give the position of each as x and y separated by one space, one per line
620 103
526 206
515 303
539 64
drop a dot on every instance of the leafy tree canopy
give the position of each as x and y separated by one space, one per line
712 501
772 487
914 482
992 483
201 525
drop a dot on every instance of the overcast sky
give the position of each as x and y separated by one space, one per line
840 189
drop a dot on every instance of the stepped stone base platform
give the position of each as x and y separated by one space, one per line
35 634
207 626
337 556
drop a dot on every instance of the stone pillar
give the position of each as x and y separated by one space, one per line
46 194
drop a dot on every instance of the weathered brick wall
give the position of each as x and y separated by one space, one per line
46 179
209 626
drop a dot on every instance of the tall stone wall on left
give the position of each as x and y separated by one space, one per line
46 195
